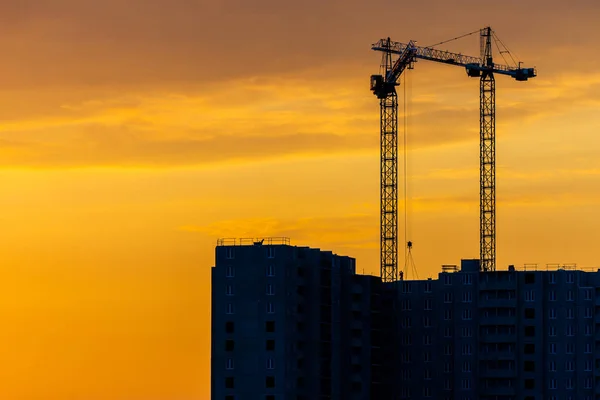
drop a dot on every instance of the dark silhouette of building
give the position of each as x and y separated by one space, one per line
299 323
295 323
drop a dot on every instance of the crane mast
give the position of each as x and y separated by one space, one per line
384 87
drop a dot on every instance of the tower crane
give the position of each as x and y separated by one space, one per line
396 58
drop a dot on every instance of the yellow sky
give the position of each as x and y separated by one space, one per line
133 135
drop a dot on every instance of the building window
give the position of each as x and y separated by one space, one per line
588 294
447 279
426 391
427 322
467 332
570 313
270 308
229 253
447 297
466 366
270 345
466 350
447 332
270 363
569 366
270 382
427 287
588 365
552 348
467 297
448 350
270 397
552 277
588 330
407 322
270 270
427 374
229 327
587 384
467 315
588 348
428 303
530 313
552 366
552 295
530 331
447 315
230 397
569 295
529 295
407 340
569 330
229 363
406 287
270 326
406 374
552 330
229 272
468 279
569 384
588 312
229 290
552 313
447 368
552 384
426 340
229 308
229 345
406 305
427 356
270 289
229 382
529 348
570 277
569 348
270 252
529 384
466 384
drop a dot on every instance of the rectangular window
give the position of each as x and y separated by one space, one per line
467 297
270 290
588 294
270 363
427 322
569 366
428 303
426 391
552 331
270 345
270 252
426 340
552 295
427 356
467 315
447 297
427 287
229 345
587 384
229 327
467 332
229 363
270 270
466 350
552 313
552 277
269 382
588 348
447 368
448 350
552 366
552 385
447 332
406 305
229 272
406 287
427 374
229 253
229 382
588 312
588 330
447 315
270 326
552 348
569 348
229 290
466 366
270 308
468 279
569 384
570 313
530 331
447 279
569 295
588 365
570 331
570 277
530 313
466 384
229 308
529 295
447 384
407 322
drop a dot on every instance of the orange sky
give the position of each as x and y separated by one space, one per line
134 134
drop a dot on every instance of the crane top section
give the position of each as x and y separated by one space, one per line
383 85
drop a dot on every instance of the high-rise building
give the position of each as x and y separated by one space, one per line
294 323
502 335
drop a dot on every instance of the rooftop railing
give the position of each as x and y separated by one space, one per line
268 241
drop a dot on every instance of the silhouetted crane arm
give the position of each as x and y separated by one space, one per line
474 65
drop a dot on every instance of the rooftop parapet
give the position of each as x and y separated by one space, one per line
268 241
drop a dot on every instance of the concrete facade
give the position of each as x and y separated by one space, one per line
294 323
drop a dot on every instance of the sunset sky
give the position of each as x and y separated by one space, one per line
133 134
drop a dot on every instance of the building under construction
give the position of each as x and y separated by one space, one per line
291 323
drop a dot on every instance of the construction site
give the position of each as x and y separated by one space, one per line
477 330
